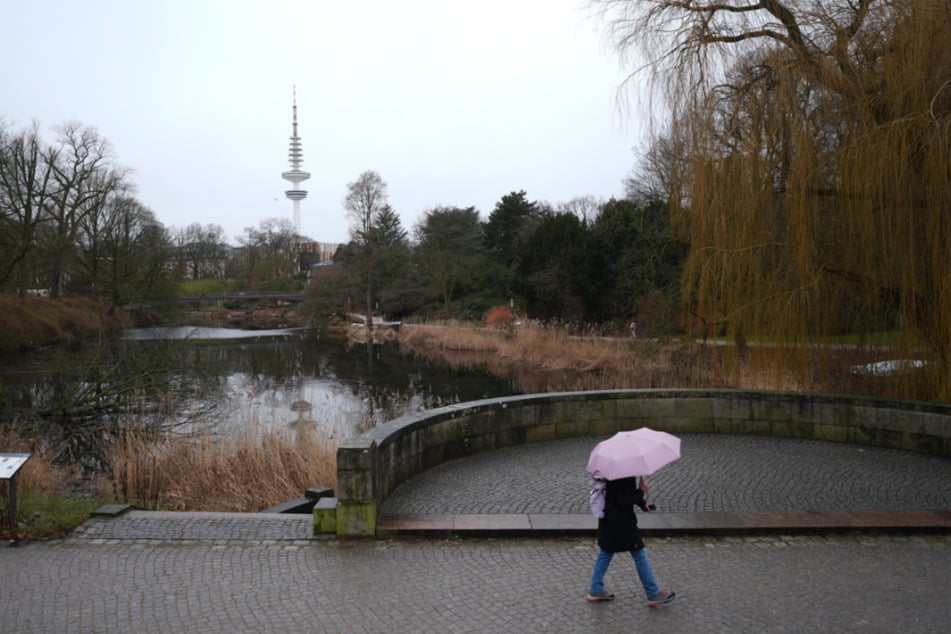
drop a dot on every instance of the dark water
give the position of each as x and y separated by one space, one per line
230 381
302 378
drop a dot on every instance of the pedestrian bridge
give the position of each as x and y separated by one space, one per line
371 466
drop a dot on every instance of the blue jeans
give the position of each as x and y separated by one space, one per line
643 571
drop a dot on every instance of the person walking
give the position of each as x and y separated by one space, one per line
618 532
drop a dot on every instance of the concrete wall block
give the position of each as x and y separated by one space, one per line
356 455
774 410
672 425
553 431
839 414
396 458
407 448
727 408
601 415
484 420
750 427
325 515
442 432
791 428
862 416
831 433
893 438
356 519
356 485
654 408
900 420
592 412
567 429
935 445
935 425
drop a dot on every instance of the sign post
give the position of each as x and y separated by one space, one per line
10 463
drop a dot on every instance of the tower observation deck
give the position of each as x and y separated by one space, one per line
295 175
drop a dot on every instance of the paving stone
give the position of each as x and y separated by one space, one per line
480 585
225 572
716 473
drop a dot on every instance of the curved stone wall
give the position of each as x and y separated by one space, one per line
371 466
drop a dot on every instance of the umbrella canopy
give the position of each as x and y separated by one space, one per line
633 453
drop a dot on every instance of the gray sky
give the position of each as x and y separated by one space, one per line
452 103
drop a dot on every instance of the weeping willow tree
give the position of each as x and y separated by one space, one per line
808 160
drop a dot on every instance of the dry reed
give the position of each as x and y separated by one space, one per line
39 474
245 473
545 358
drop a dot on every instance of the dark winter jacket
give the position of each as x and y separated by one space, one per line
617 530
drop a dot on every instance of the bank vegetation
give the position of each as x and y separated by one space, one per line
549 357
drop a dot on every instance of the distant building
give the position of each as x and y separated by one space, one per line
314 254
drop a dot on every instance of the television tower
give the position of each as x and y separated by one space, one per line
295 175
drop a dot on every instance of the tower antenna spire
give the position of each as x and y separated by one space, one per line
295 112
295 175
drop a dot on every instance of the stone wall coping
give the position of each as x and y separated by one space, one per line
371 465
380 434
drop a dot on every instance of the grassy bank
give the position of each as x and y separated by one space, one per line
38 322
544 358
50 501
244 474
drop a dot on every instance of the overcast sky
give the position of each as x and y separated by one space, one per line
452 103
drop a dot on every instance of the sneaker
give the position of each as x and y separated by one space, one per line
661 598
604 595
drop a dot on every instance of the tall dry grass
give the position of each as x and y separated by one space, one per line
39 474
547 358
244 473
51 499
544 358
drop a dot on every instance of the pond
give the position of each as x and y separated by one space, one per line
227 380
285 378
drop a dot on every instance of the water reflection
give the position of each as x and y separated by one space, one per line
226 381
335 387
205 334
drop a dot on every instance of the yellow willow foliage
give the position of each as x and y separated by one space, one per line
817 199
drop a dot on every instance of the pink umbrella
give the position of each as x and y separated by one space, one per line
633 453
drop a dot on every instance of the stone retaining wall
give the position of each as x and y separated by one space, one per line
371 466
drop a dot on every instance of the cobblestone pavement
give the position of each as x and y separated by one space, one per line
750 584
222 572
716 472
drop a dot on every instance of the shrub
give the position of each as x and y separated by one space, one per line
500 317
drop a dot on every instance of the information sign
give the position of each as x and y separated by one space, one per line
10 463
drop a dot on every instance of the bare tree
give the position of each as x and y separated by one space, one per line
660 175
586 208
26 178
135 247
201 248
365 200
83 177
270 251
